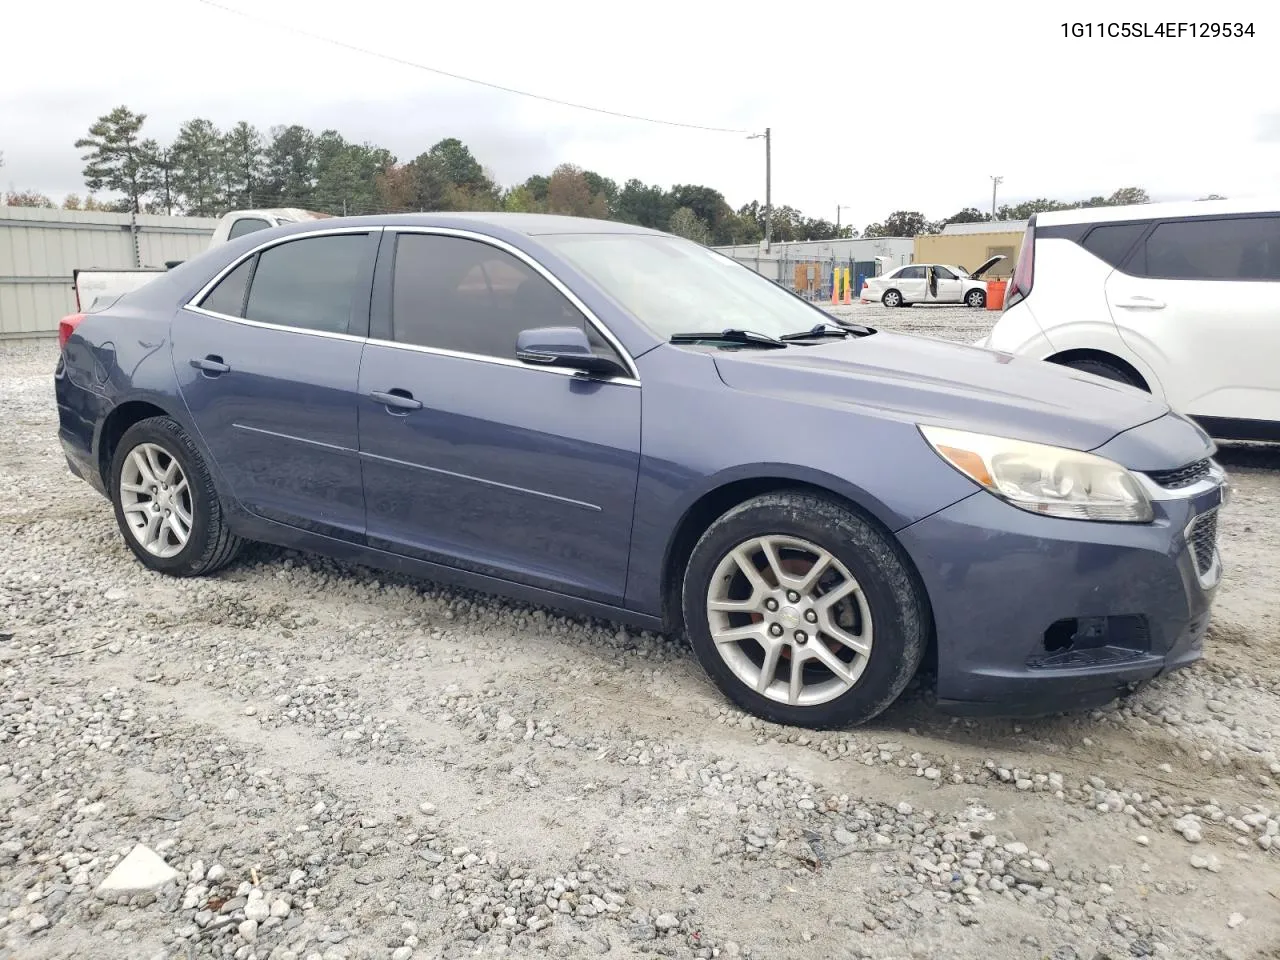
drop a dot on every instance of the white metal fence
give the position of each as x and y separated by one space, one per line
40 248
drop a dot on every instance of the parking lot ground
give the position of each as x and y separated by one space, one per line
344 764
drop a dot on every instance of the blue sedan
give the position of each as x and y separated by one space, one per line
627 425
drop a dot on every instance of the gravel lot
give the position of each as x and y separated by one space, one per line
342 764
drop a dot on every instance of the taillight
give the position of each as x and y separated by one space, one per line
1025 269
67 326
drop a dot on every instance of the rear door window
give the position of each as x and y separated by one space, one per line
316 283
1228 248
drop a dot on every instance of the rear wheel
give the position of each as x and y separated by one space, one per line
166 504
1106 370
976 298
802 612
891 298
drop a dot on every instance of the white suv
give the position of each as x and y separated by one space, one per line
1180 299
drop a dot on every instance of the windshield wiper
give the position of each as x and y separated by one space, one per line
820 329
731 335
828 329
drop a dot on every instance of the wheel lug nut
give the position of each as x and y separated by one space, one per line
811 616
771 604
775 629
792 596
801 637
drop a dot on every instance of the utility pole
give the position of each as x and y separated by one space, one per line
840 207
995 182
768 182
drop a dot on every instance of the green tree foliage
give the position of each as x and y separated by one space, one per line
243 166
685 223
968 215
115 158
644 205
290 166
197 179
901 223
206 172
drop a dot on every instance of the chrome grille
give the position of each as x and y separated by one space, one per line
1202 537
1182 476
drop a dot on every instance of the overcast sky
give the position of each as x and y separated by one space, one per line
878 106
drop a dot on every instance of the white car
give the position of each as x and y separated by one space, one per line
1179 299
929 283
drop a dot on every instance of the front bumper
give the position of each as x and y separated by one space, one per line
1038 615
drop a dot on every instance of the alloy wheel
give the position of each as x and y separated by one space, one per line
789 620
155 497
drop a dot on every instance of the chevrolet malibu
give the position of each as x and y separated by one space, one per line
625 424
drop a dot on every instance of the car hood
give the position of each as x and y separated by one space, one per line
921 380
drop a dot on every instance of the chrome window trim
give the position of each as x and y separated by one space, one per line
631 381
542 271
327 334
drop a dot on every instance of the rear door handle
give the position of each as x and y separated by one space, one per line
211 364
397 399
1141 303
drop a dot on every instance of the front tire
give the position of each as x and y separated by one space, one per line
975 298
804 613
891 298
166 504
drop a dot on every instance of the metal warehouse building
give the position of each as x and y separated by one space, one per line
969 244
806 266
40 248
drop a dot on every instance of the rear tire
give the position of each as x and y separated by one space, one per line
166 504
864 614
891 299
1108 371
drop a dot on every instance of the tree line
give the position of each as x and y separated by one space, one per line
206 171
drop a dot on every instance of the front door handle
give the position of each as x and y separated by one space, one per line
397 399
1141 303
211 364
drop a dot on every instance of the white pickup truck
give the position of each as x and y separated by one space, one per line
91 284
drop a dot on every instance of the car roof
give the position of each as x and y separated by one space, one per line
1153 211
530 224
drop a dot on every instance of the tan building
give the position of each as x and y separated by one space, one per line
969 244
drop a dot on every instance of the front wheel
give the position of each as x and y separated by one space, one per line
804 613
166 504
976 298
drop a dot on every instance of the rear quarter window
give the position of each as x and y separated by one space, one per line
1110 243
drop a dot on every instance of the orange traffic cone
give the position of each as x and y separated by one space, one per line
835 286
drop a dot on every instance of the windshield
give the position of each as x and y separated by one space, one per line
673 285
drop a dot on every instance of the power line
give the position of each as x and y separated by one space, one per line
457 76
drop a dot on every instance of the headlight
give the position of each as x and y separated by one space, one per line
1049 480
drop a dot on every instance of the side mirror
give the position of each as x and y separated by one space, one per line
566 347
